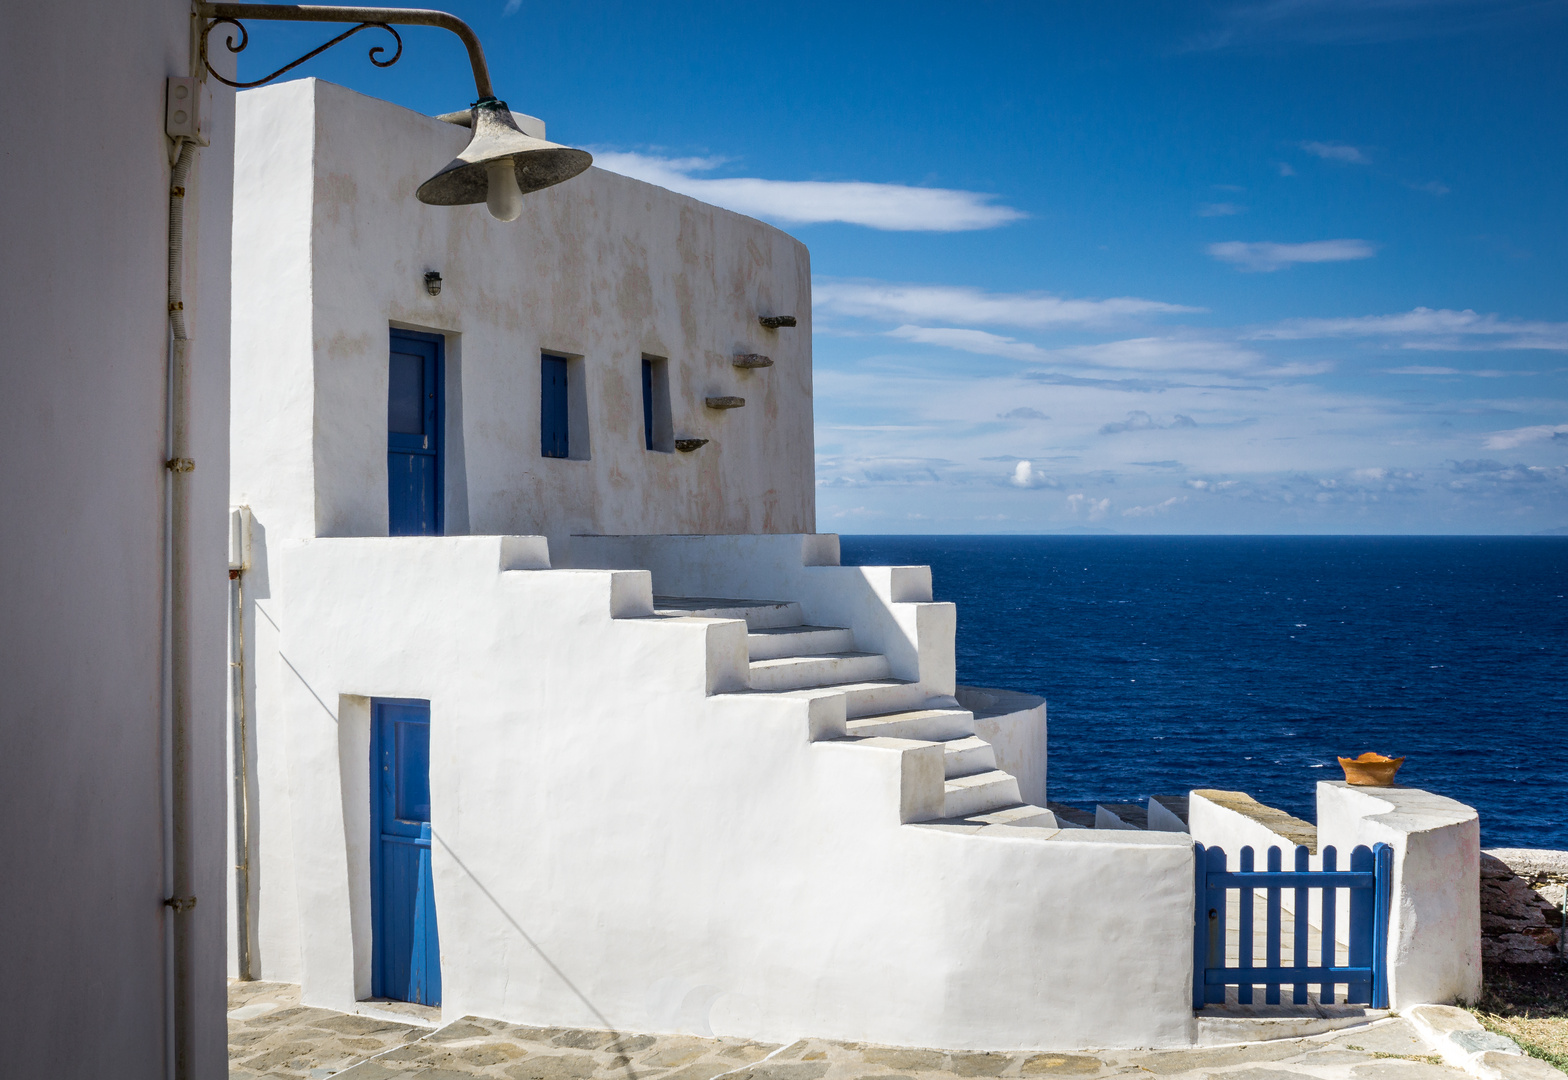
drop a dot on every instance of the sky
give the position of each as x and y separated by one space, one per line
1289 266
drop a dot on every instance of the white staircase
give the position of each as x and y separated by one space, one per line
788 654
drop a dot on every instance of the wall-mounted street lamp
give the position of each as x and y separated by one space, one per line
498 166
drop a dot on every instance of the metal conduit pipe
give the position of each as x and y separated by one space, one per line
241 772
177 862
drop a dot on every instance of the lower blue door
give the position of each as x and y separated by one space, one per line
406 951
414 473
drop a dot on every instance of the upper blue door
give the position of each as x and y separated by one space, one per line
414 474
406 947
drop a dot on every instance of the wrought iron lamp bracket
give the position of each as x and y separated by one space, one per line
366 18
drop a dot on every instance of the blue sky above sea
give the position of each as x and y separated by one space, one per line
1291 266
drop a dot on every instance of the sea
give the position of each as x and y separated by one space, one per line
1249 663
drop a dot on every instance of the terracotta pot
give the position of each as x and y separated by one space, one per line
1371 770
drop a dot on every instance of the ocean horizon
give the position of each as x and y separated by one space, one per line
1170 663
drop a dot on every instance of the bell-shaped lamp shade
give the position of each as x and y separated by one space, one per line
499 153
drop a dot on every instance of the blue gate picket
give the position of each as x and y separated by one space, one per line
1364 975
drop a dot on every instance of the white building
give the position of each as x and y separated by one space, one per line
111 725
617 742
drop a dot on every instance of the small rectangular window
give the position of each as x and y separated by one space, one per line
657 431
554 407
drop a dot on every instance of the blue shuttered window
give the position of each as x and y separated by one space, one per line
554 437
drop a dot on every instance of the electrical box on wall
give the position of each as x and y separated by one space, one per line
187 103
239 538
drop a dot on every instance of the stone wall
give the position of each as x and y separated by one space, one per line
1522 905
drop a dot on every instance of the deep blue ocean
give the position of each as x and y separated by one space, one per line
1248 663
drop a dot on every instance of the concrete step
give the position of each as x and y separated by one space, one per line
1168 813
886 696
772 642
1022 815
970 795
759 614
933 725
1072 816
967 756
1120 816
805 672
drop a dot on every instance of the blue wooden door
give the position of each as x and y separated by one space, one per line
406 950
414 474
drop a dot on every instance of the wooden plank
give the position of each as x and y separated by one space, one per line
1383 857
1271 943
1215 995
1328 949
1299 948
1360 928
1259 879
1244 950
1200 922
1231 976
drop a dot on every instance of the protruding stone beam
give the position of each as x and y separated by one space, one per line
727 402
686 446
752 360
773 322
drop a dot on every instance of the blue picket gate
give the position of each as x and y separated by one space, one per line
1365 976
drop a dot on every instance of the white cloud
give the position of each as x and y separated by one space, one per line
1417 369
892 207
1219 209
1431 187
1267 257
1443 324
974 341
1097 509
1329 151
1025 475
1286 169
1157 508
957 303
1166 354
1507 440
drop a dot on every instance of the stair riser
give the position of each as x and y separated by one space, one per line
819 671
757 616
979 798
869 701
802 643
930 728
970 761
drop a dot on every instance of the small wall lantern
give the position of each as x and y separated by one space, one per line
433 282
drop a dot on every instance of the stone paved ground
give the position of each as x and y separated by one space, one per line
271 1035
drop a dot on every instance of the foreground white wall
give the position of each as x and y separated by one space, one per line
1435 923
85 178
617 846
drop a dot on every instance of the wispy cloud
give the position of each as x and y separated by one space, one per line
1219 209
960 304
1508 440
1431 187
1428 328
1266 257
1097 508
1157 508
1330 151
1138 420
1165 354
974 341
890 207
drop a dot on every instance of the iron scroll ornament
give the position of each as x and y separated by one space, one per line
212 14
245 40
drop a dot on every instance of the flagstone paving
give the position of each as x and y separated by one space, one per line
272 1035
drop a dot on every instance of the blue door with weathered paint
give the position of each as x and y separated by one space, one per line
414 474
406 948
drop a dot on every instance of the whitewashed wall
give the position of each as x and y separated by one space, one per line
84 217
602 267
331 248
616 846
